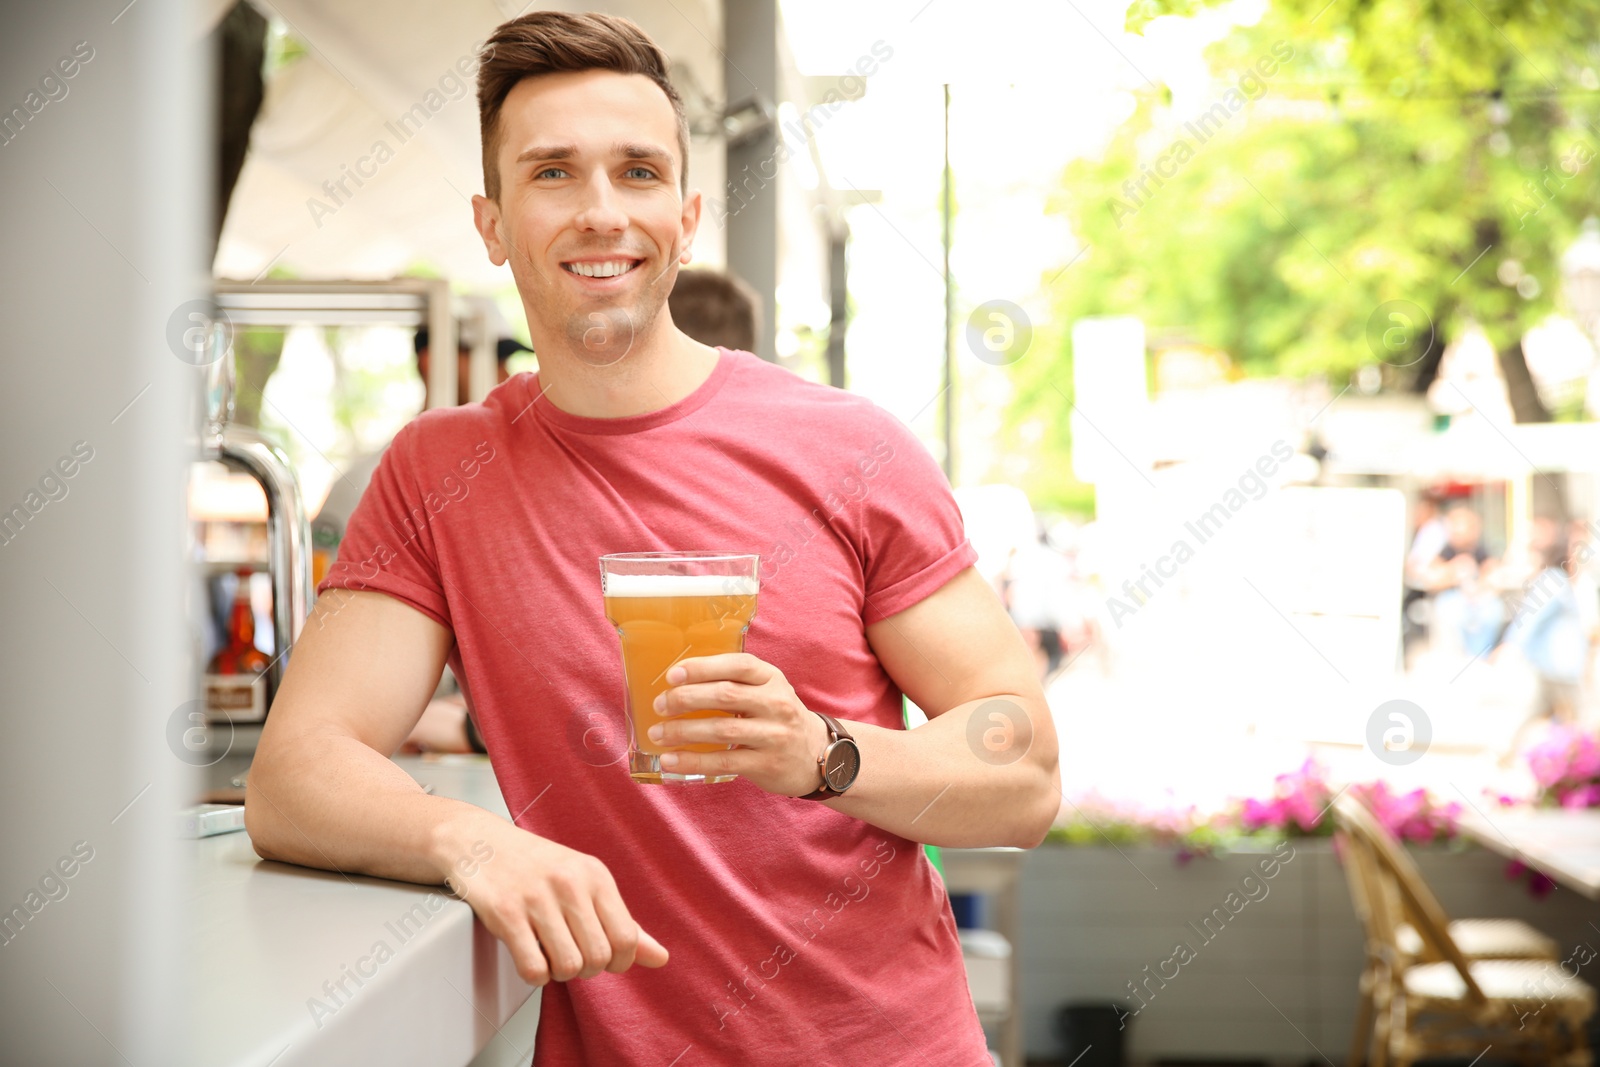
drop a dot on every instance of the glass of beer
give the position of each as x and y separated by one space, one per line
666 607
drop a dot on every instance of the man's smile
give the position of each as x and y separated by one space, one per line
614 267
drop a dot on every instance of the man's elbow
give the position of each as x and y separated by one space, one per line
258 825
1033 827
262 850
263 821
1041 808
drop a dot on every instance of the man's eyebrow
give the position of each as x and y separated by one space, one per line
542 153
636 150
624 149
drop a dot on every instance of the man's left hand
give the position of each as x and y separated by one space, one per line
778 739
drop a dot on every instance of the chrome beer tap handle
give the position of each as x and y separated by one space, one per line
288 532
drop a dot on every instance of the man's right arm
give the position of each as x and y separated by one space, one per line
323 793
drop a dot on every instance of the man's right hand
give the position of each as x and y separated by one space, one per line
323 792
557 910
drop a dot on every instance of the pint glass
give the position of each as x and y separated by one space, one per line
669 606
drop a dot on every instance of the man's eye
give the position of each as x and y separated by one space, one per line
640 172
551 172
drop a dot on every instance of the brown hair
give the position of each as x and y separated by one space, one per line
715 309
555 42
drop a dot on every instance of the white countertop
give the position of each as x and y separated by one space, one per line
422 981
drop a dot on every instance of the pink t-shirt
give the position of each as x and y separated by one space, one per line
798 935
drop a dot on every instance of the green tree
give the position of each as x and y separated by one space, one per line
1439 154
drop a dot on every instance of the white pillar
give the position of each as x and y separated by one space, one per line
107 181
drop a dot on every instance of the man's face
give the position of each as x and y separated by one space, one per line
590 214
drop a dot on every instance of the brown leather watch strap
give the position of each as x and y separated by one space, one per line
836 731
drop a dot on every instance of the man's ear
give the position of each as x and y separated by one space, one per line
693 204
486 217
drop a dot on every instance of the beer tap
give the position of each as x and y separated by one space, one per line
288 533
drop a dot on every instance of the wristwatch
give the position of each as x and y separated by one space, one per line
839 763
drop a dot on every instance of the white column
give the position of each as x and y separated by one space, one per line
107 181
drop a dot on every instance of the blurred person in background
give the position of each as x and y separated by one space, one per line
1469 611
716 308
1427 542
1036 587
504 348
1548 630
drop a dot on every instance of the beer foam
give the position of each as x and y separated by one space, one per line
659 585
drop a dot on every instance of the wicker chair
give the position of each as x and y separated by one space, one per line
1478 939
1529 1011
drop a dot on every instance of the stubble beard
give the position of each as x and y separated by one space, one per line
600 332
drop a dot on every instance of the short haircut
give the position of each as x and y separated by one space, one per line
555 42
715 309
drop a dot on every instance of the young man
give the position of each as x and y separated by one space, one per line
802 929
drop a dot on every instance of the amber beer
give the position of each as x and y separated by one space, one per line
666 607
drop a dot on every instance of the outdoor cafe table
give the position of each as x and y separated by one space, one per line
1562 844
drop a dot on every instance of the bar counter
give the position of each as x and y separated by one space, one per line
294 966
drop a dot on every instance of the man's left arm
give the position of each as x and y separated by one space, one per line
982 771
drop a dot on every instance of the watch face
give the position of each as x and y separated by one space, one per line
842 765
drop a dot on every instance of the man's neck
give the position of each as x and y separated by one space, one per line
649 377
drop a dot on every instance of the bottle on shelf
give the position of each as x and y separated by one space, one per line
235 683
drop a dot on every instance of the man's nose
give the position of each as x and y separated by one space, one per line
601 211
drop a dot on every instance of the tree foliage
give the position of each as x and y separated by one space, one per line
1440 153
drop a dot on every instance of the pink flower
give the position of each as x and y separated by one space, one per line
1587 796
1585 762
1413 816
1301 799
1258 815
1304 809
1564 759
1548 767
